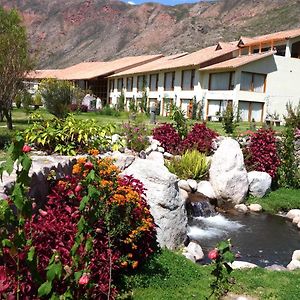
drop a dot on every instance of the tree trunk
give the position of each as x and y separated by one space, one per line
7 114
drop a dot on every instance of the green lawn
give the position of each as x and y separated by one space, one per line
170 276
279 200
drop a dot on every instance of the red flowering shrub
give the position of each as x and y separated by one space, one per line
94 223
261 152
169 138
200 138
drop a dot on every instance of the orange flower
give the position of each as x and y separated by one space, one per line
94 152
81 160
124 264
130 255
76 169
135 264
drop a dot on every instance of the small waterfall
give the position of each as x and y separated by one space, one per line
201 209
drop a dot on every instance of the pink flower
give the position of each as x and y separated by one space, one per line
4 283
84 279
78 188
213 254
26 149
43 213
88 165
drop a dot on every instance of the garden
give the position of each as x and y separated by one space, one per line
99 233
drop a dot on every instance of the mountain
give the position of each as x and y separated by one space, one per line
71 31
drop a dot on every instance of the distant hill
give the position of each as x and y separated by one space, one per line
71 31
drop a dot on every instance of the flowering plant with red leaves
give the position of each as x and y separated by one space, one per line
261 152
94 223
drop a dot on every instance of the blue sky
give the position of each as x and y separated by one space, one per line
167 2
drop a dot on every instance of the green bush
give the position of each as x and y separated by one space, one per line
109 111
121 102
191 165
229 120
180 121
57 95
69 137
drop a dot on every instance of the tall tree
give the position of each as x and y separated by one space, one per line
15 61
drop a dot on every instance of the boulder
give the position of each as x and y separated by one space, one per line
242 208
161 149
183 184
157 157
195 250
293 265
166 205
296 220
183 194
255 207
259 183
193 184
122 160
243 265
168 155
293 213
275 268
227 173
296 255
204 187
189 256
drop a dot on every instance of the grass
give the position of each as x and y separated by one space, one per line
281 200
171 276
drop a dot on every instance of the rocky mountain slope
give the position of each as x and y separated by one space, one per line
71 31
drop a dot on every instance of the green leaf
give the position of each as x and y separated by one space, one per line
54 270
6 243
81 224
91 176
89 244
31 253
83 202
77 275
228 257
222 246
17 196
9 165
26 163
45 289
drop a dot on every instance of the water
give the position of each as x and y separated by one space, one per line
258 238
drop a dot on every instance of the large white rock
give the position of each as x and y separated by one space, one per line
183 184
242 208
293 265
166 204
255 207
204 187
296 220
157 157
293 213
296 255
227 173
259 183
243 265
195 250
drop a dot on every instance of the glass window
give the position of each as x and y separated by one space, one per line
253 82
111 85
246 81
129 84
188 79
141 82
169 81
153 82
120 84
258 83
220 81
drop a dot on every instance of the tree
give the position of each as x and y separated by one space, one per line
58 95
15 61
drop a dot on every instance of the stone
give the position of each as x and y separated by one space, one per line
293 213
189 256
166 205
154 146
243 265
259 183
296 255
255 207
168 155
115 138
275 268
242 208
142 154
227 173
161 149
296 220
193 184
148 150
157 157
195 250
183 194
298 225
183 184
153 141
231 296
204 187
122 160
293 265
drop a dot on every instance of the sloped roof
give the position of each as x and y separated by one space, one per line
237 61
277 36
190 60
89 70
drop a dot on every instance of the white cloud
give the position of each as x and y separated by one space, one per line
131 3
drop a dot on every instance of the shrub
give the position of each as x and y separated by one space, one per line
136 136
261 153
94 224
200 138
178 117
57 95
293 116
109 111
169 138
229 120
69 137
121 101
191 165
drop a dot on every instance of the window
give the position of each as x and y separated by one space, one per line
169 81
253 82
153 82
111 85
187 80
141 82
221 81
129 84
120 84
